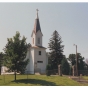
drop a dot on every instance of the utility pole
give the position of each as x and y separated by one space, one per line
76 62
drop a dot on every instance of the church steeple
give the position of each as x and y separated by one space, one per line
37 24
36 33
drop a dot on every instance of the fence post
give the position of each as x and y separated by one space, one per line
60 70
73 70
4 77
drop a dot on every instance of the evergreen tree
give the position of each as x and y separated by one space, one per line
86 64
1 60
15 53
56 50
80 63
72 59
48 70
65 66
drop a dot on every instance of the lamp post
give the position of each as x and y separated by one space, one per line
76 61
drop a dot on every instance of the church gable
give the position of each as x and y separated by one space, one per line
39 33
33 32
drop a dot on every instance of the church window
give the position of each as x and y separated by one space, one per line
38 40
39 61
39 52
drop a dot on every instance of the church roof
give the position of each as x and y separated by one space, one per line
38 47
36 25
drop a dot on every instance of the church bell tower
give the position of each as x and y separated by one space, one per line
37 33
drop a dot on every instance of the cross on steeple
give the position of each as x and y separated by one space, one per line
37 10
37 24
37 13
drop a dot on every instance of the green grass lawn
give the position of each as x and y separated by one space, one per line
37 80
85 77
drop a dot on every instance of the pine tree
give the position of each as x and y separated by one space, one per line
56 50
1 60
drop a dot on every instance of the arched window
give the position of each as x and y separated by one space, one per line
38 40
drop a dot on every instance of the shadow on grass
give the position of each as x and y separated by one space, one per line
35 81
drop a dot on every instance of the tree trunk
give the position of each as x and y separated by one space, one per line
15 75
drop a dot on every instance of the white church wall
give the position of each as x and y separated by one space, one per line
46 59
27 57
41 57
30 66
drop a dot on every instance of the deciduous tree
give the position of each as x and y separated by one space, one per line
15 53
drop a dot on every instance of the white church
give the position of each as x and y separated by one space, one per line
36 53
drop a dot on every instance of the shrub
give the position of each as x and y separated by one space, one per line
48 70
65 66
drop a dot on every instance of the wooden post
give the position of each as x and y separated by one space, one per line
15 75
60 70
73 70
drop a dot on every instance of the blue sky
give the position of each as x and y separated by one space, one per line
69 19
